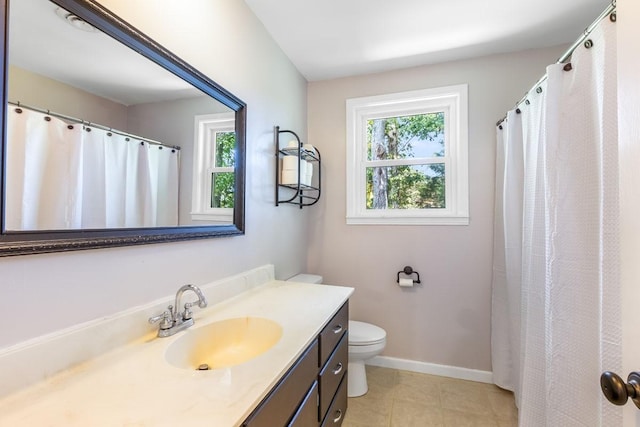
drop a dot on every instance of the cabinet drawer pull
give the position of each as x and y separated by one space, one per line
338 416
337 329
338 369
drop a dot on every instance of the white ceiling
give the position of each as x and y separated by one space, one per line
43 42
335 38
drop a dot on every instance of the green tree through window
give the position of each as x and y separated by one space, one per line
223 183
414 186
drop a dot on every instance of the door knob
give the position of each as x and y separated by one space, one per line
617 391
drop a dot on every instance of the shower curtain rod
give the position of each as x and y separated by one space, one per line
84 122
567 55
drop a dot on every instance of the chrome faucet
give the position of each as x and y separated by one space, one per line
172 321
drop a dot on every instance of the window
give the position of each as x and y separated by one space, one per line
213 168
407 158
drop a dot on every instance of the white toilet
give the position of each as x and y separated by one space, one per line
365 341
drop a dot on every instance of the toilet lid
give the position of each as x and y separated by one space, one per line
361 333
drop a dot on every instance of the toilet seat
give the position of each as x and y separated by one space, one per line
361 333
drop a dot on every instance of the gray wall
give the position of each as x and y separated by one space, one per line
447 319
39 91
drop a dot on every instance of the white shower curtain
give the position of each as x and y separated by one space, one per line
164 185
117 183
69 177
43 149
556 296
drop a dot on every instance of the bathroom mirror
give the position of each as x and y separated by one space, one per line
108 138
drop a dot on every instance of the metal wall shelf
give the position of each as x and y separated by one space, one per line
298 194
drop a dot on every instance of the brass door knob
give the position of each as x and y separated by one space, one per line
617 391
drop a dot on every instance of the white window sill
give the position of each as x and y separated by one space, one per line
386 220
225 218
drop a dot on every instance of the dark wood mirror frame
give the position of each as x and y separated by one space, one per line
33 242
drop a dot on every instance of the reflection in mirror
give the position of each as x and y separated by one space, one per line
99 137
116 149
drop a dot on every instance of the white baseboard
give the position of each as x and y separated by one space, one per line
432 369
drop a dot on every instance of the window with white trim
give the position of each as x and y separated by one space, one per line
213 168
407 160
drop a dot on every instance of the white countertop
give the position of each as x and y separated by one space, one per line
135 386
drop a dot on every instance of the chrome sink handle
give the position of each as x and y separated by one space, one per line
166 322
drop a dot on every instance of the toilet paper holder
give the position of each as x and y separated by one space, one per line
409 272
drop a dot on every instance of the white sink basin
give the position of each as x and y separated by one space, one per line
224 343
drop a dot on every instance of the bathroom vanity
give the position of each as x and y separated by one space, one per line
300 381
314 391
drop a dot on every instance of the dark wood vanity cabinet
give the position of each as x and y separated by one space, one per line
338 409
283 402
313 392
334 359
307 414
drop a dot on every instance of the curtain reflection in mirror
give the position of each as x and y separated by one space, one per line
70 176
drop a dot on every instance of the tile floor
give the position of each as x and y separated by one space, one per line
408 399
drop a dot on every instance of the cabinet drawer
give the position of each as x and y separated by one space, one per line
338 408
332 333
307 415
277 408
332 374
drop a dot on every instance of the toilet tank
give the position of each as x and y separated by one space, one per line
305 278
